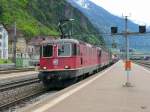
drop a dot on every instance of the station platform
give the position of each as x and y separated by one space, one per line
103 92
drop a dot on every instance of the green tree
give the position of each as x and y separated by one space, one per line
1 10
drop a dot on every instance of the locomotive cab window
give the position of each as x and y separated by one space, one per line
75 50
47 51
64 49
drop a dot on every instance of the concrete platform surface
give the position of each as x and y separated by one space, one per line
103 92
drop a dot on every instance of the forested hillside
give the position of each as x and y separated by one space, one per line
41 17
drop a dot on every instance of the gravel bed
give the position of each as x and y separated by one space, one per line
14 94
28 102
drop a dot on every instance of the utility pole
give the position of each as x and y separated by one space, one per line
71 28
14 47
114 31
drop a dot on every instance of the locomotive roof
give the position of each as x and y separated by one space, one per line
71 41
62 40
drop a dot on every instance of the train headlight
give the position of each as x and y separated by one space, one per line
44 68
67 67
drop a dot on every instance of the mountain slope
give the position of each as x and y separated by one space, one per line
41 17
103 20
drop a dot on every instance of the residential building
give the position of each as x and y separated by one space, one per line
21 45
33 47
3 43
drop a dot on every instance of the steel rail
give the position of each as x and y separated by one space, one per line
5 71
6 105
18 83
142 63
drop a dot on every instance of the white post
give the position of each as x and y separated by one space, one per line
127 84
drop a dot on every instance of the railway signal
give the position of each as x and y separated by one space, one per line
114 30
142 29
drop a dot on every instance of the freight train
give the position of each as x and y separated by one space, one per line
68 59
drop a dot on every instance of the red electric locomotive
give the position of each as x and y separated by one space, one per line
67 59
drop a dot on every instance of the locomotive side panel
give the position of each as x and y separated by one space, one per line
105 58
61 63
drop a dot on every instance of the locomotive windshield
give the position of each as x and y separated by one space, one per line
47 51
64 49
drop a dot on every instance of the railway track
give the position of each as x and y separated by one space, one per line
143 63
18 83
13 92
6 71
13 102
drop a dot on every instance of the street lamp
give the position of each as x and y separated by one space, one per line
61 23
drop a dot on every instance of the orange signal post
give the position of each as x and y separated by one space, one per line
128 65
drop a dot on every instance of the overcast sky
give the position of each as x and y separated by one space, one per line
139 10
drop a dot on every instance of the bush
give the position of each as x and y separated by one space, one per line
5 61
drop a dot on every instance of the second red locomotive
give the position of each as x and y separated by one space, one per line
66 59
